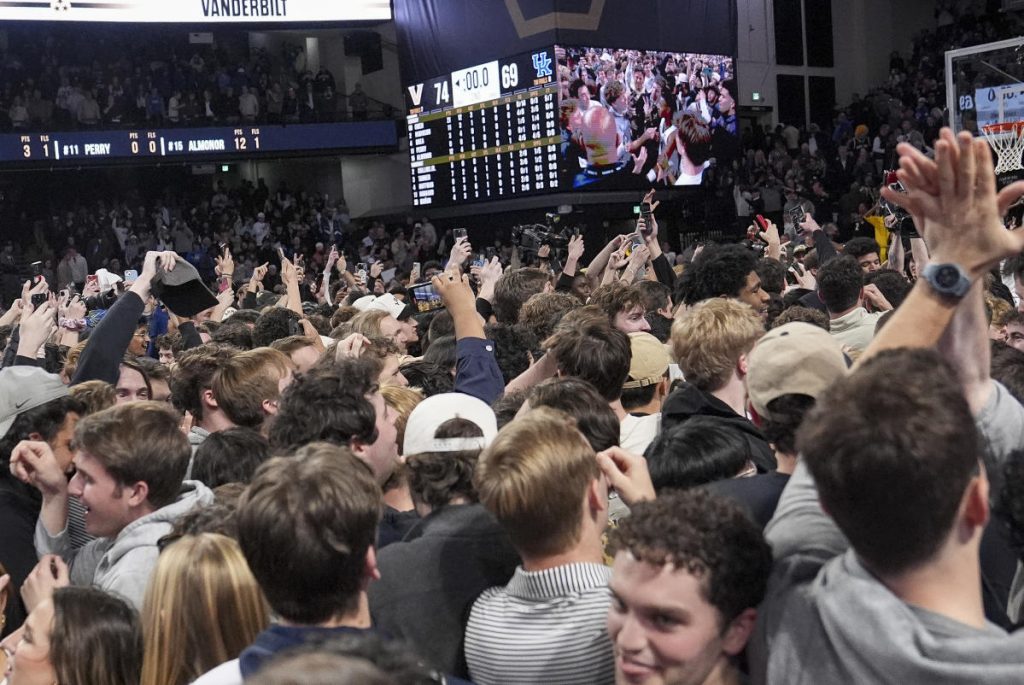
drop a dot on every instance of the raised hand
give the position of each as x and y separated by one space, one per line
627 473
225 264
954 199
33 462
49 574
35 329
576 248
461 251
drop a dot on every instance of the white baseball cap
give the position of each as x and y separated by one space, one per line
429 414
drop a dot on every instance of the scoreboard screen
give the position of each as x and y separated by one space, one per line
485 132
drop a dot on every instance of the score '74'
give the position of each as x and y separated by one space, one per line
441 92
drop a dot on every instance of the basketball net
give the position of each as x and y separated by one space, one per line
1007 140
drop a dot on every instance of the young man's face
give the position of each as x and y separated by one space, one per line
166 355
754 295
131 386
390 327
663 629
139 342
105 500
382 455
1015 336
869 263
632 320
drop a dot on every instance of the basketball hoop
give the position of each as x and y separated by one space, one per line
1007 139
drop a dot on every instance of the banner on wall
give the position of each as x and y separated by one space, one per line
439 36
197 11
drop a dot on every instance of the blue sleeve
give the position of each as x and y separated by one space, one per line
476 370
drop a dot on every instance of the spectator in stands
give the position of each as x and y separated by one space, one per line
541 481
306 526
129 466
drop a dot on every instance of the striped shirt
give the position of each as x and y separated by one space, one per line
543 627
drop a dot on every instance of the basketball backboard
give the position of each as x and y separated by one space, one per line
985 95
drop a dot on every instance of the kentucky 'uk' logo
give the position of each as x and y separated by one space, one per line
542 64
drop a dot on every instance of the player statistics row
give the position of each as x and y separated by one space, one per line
208 143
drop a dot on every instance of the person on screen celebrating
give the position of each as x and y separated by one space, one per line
690 139
601 140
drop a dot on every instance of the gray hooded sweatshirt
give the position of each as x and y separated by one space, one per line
826 619
123 565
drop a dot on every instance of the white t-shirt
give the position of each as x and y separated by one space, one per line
637 432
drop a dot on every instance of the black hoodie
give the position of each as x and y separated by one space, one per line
687 401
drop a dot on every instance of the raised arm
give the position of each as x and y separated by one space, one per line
954 198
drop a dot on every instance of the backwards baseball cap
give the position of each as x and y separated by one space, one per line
392 305
429 414
23 388
794 359
182 290
649 362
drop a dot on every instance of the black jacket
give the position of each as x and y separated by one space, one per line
687 401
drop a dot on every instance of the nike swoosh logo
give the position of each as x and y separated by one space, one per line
21 404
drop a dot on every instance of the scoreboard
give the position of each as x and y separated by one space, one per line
193 144
485 132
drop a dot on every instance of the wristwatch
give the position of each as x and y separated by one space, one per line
949 280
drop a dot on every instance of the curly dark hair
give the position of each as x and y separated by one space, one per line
815 317
839 283
430 378
707 535
719 271
327 405
512 347
858 247
274 324
436 478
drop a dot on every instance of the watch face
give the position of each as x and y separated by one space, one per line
947 276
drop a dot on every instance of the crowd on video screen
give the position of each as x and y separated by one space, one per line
636 118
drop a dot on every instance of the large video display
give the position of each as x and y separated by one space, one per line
637 118
570 119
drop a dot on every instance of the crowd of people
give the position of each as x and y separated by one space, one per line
631 118
96 78
803 466
246 439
